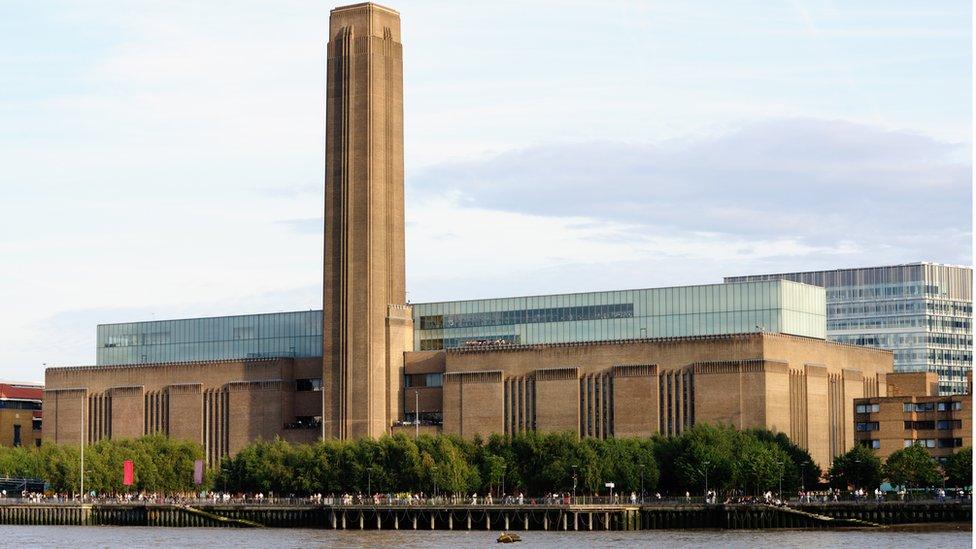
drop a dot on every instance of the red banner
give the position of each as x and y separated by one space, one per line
128 473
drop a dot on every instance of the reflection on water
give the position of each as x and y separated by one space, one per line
942 536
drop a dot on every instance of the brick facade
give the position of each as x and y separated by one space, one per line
799 386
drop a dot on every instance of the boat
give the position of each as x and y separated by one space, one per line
505 537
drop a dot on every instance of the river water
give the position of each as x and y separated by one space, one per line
941 536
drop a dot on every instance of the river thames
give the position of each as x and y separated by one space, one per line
951 535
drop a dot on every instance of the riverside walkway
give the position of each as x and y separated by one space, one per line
487 517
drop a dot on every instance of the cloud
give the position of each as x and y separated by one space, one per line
310 225
822 185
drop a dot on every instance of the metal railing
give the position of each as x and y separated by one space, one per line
355 501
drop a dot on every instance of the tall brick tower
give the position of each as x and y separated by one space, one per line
366 324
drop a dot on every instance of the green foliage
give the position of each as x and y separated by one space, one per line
760 465
858 468
912 467
959 468
751 461
533 463
802 472
161 465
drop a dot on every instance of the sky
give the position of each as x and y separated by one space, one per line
164 159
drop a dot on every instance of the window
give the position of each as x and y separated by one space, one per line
36 424
919 407
867 426
426 418
527 316
309 384
867 408
945 424
950 442
919 425
923 442
873 444
435 380
16 435
20 404
305 422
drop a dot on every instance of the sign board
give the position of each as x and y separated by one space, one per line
128 473
610 485
198 472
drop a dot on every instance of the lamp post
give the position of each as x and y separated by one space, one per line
803 476
369 482
705 471
416 414
782 466
81 442
433 468
504 466
641 467
574 484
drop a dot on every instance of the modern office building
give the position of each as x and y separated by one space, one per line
920 311
626 363
915 413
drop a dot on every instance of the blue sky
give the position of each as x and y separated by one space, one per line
164 159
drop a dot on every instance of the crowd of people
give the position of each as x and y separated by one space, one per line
517 498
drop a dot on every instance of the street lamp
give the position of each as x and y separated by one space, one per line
433 477
782 466
81 441
803 476
504 466
369 481
574 484
416 414
641 466
705 470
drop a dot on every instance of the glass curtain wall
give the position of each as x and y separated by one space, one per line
772 306
291 334
922 312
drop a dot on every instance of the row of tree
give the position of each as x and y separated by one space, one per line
909 467
714 457
161 465
723 458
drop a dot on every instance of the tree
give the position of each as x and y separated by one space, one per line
912 467
959 468
702 451
454 474
760 465
858 468
805 473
